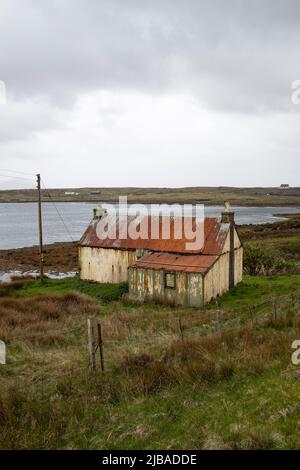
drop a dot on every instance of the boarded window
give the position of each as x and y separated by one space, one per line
170 280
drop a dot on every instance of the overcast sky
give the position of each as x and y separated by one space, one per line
150 93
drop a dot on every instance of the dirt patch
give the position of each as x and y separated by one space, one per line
59 258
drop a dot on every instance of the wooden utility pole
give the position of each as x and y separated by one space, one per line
40 227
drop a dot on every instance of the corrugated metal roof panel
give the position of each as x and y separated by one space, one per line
171 262
214 236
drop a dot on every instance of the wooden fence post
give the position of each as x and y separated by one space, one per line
218 319
251 314
293 301
274 304
91 344
100 344
180 329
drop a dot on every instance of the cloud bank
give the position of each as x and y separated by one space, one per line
118 87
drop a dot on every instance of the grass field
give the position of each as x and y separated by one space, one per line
237 390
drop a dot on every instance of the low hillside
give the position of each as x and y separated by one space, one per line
207 195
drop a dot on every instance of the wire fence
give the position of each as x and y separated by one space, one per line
101 338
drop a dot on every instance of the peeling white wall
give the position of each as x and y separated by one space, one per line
237 242
216 281
105 265
239 265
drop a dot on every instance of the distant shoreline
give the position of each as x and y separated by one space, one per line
275 196
147 202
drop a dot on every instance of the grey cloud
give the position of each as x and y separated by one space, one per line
211 83
23 120
234 55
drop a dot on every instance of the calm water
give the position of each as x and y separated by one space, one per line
18 222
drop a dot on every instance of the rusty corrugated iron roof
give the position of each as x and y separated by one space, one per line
171 262
214 233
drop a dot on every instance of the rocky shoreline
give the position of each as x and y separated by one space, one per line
59 259
287 228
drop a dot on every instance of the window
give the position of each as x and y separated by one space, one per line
170 280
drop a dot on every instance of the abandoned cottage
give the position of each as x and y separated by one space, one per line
164 270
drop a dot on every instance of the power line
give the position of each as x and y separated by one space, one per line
17 172
59 214
17 177
22 178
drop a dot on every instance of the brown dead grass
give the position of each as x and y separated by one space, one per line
35 318
144 355
9 288
205 360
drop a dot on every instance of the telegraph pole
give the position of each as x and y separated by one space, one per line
40 227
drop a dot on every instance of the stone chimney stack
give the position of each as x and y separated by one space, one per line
98 213
228 218
227 215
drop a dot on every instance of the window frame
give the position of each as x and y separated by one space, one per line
170 273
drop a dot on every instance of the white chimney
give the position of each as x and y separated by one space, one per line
99 212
